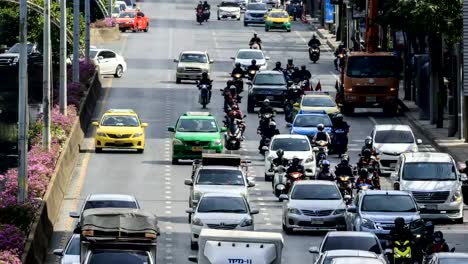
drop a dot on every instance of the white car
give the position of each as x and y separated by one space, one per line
227 211
293 145
107 201
390 141
108 61
245 57
229 9
71 253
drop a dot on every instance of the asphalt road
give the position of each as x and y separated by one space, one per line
149 88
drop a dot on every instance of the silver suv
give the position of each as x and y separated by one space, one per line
435 183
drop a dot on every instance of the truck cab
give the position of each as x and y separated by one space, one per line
370 80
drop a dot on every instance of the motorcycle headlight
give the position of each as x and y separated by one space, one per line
457 196
101 134
176 141
416 224
369 224
246 222
217 142
294 211
137 134
197 222
310 159
339 211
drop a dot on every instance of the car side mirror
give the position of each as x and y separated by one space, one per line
267 58
74 215
288 124
283 197
188 182
144 124
347 197
134 5
419 141
58 252
251 184
463 177
254 211
314 250
233 58
396 186
189 211
100 58
211 61
452 250
265 148
193 259
95 123
176 60
171 129
223 129
351 210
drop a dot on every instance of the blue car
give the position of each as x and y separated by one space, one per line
305 123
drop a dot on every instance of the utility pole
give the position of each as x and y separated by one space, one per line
110 8
87 21
23 117
76 41
63 59
46 78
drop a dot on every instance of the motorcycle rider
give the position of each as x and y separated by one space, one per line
237 70
343 168
314 42
253 67
368 145
278 67
438 243
296 75
305 74
295 167
366 159
363 177
340 123
255 39
199 7
279 160
400 232
290 65
236 113
321 135
266 108
339 50
205 80
325 173
268 132
206 6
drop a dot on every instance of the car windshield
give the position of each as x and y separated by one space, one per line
119 257
429 171
198 58
229 4
351 243
311 121
278 15
257 7
315 192
453 260
394 136
110 204
92 53
16 48
318 102
197 125
73 246
269 79
127 15
388 203
351 260
250 55
120 120
372 66
222 205
116 9
220 177
290 144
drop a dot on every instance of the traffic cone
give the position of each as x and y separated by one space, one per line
318 87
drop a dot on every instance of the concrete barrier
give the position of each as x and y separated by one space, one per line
37 242
101 35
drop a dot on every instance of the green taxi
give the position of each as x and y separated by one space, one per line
195 132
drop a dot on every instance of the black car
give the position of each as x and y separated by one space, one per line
269 85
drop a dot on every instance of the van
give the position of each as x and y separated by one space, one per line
434 181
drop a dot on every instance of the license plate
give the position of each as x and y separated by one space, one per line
197 149
316 222
270 97
431 207
119 143
371 99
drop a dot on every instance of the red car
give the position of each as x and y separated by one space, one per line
133 20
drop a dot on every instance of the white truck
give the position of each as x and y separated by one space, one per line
238 247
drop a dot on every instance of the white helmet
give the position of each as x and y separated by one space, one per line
266 101
272 124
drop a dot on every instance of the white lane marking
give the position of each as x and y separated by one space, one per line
168 192
168 198
168 212
168 202
168 207
168 257
169 227
168 239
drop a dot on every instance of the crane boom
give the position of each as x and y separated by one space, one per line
372 28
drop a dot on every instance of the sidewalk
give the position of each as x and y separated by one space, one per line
437 136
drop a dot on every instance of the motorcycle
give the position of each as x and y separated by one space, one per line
229 100
314 53
238 82
265 120
200 16
340 141
345 184
293 177
322 151
279 181
251 74
233 137
204 97
206 14
364 186
289 110
325 176
305 85
402 252
254 45
264 143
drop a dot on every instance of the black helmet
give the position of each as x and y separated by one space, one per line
367 153
399 223
238 65
345 160
295 160
320 127
371 169
363 173
296 68
303 67
438 236
290 61
280 153
278 64
314 36
254 62
204 75
429 228
255 34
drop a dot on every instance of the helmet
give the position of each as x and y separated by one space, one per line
295 160
438 236
345 160
254 62
303 67
232 87
296 68
266 102
363 173
371 169
290 61
278 64
280 153
366 153
325 163
399 223
272 124
368 141
238 65
314 36
204 75
429 228
320 127
339 117
345 157
255 34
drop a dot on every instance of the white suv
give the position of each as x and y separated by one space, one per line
229 9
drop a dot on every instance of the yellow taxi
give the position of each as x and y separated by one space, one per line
277 19
317 101
120 129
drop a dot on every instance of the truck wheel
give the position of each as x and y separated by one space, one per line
178 80
175 161
347 110
193 245
250 106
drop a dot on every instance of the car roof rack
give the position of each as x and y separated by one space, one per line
197 114
209 159
316 92
302 111
120 111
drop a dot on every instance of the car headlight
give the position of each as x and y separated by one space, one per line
310 159
197 221
416 224
16 59
294 211
339 211
369 224
137 134
457 196
176 141
246 222
101 134
217 142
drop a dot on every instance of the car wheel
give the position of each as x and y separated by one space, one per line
245 24
140 150
98 150
287 230
175 161
193 245
147 28
459 220
267 29
118 71
178 80
219 18
250 106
